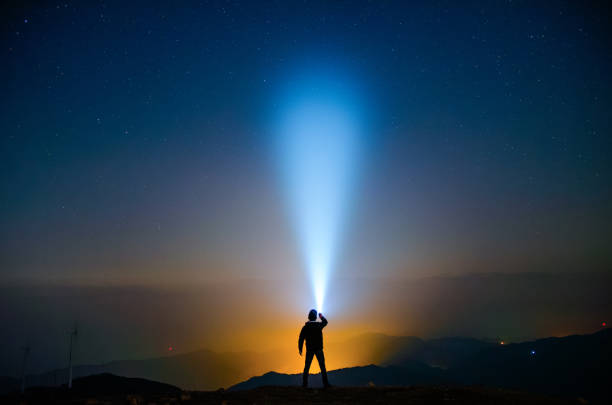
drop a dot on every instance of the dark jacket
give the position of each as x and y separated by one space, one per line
312 332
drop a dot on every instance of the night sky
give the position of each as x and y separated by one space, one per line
136 142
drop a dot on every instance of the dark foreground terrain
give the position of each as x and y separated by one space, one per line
296 395
571 366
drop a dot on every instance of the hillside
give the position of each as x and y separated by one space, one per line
205 369
414 374
578 366
294 395
572 365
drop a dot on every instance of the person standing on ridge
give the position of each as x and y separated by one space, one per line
312 332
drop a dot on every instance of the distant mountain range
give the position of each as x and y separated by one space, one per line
576 365
140 322
205 369
200 370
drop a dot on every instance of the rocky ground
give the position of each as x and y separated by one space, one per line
296 395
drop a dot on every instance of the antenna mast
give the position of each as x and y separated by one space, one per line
72 334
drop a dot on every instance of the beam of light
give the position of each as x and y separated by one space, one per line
318 147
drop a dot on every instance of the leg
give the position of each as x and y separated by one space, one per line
321 360
307 368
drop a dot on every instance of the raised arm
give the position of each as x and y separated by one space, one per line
301 341
323 321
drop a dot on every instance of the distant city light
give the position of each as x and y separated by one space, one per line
501 343
533 352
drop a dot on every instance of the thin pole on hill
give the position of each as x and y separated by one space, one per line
73 333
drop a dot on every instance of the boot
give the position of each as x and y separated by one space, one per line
325 381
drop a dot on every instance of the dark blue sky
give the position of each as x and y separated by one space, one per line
135 136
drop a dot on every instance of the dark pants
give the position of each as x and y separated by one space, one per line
321 360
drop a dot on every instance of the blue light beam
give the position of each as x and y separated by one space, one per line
319 146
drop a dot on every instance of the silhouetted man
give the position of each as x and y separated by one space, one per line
312 332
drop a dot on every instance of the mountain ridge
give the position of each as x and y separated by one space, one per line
577 365
206 369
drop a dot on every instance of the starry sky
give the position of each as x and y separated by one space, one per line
135 146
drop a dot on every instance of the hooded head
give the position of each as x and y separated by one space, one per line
312 315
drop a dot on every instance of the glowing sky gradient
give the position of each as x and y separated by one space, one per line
144 191
136 147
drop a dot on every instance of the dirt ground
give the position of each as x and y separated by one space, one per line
296 395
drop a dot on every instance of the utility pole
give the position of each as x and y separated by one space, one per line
72 334
26 352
